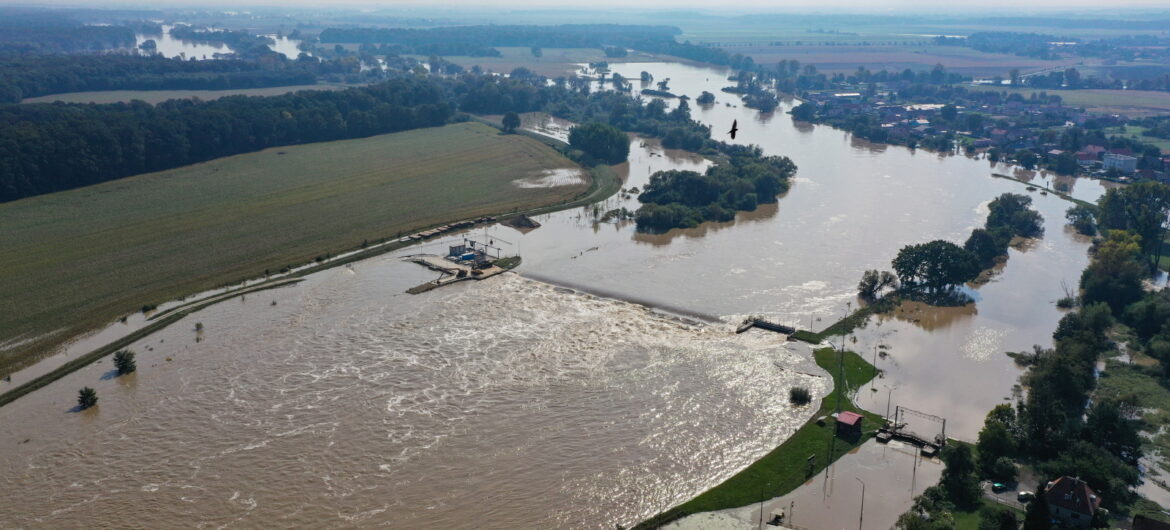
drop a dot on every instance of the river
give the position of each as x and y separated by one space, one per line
519 402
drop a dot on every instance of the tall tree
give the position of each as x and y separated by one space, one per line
1144 208
959 479
1038 516
936 265
601 141
511 121
1116 272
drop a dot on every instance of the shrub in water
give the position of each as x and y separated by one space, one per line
799 395
124 362
86 398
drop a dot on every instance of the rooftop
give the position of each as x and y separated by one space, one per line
849 418
1072 494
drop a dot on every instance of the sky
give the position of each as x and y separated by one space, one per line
820 6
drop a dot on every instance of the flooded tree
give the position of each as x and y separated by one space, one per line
86 398
936 266
873 282
124 362
1083 219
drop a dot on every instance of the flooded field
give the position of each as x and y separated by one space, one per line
517 403
170 47
889 475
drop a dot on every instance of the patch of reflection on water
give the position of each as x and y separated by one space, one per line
930 318
551 178
983 342
762 212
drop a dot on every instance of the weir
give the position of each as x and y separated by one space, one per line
766 325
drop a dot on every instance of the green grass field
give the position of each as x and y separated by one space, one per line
1134 132
784 468
158 96
1133 103
79 259
848 56
1121 379
970 520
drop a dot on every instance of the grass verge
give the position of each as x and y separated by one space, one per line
847 324
785 467
970 520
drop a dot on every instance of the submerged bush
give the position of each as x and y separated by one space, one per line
799 395
86 398
124 362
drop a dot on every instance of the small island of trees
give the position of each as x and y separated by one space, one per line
683 199
931 271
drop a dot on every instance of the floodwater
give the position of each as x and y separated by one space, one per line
888 475
552 178
170 47
283 45
507 403
521 403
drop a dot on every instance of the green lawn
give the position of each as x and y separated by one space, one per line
784 468
1133 103
79 259
970 520
1121 379
1134 132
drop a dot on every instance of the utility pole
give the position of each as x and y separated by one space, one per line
861 518
873 380
889 396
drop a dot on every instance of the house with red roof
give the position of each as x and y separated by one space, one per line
849 425
1072 501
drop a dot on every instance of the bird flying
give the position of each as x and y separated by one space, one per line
734 128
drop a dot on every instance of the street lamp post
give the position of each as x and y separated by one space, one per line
861 517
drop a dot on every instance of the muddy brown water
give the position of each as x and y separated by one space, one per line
515 403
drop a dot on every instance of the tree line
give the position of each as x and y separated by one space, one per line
24 76
481 40
52 147
39 31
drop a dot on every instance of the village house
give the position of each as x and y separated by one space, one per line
1072 501
849 425
1122 163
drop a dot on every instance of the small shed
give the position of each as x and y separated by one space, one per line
849 424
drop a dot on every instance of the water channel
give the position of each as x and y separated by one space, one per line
530 401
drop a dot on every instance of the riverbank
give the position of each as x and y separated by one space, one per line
200 247
785 467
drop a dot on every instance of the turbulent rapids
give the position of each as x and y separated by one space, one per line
352 402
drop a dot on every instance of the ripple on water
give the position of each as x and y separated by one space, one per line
495 392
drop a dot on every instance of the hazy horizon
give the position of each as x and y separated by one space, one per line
812 7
